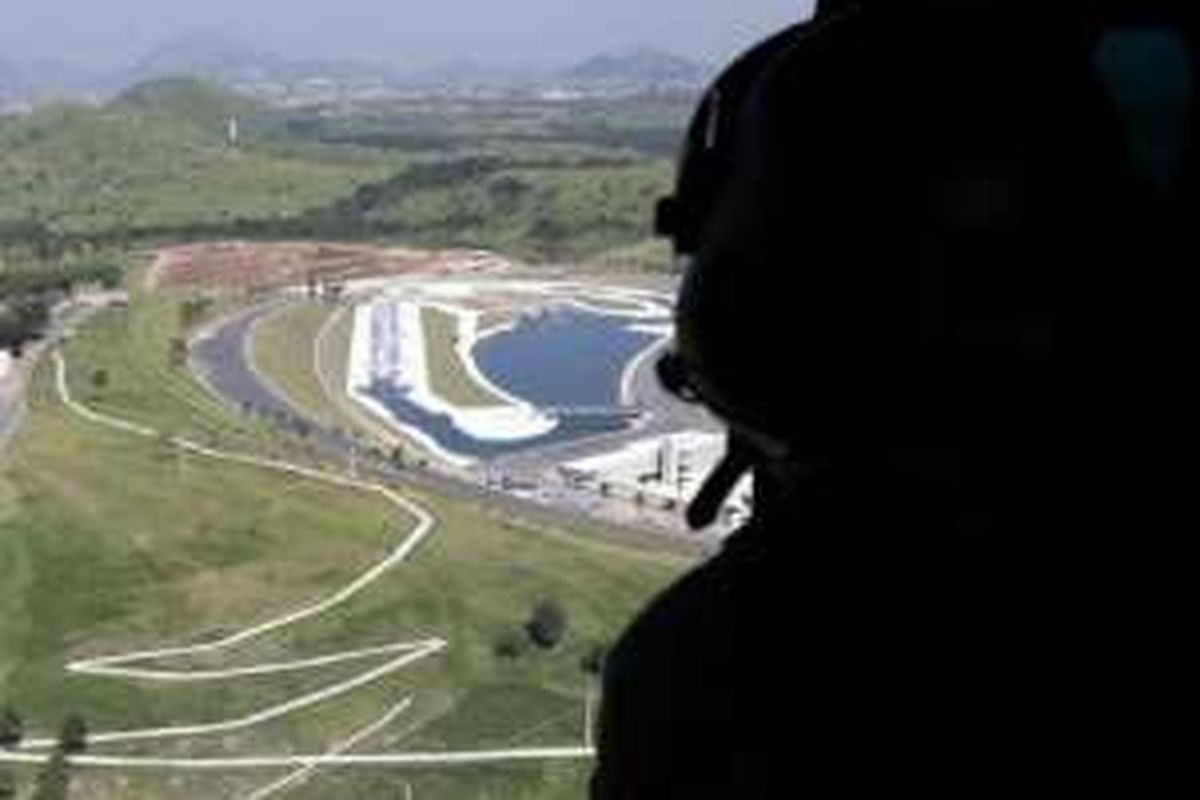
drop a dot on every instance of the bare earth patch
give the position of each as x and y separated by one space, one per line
253 265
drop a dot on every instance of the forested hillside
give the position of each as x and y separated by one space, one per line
539 182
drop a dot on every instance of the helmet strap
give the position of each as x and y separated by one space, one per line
739 459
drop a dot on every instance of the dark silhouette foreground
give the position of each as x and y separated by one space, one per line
903 225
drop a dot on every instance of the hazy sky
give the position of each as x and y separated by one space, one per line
404 32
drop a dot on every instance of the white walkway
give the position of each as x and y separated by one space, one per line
399 655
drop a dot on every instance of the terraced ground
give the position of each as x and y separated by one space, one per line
113 542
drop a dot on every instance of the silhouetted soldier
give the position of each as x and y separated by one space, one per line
901 226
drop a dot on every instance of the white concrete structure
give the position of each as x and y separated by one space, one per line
389 346
6 364
665 470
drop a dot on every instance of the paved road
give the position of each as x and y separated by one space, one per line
220 358
11 405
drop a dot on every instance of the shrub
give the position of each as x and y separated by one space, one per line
8 784
510 645
73 737
54 781
546 625
12 728
592 661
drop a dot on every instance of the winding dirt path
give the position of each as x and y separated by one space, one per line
133 666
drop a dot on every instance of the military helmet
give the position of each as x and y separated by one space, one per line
897 227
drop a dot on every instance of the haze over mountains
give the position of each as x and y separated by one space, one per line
41 77
271 76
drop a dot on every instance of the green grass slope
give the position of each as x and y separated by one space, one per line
156 156
109 542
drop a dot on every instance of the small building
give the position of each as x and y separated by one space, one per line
663 471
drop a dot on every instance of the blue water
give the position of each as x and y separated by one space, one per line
561 359
439 427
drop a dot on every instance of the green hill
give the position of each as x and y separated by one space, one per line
539 183
156 156
207 106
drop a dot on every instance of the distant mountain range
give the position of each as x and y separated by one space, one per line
41 77
230 62
243 67
11 78
640 65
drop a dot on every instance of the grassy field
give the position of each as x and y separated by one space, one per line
130 362
283 351
448 376
109 542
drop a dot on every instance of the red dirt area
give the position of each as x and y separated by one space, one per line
269 266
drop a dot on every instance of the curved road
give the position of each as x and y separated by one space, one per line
10 404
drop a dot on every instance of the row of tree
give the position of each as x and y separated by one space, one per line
364 214
59 277
28 293
23 319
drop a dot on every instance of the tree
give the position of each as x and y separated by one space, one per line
22 320
193 311
397 457
177 355
547 624
593 660
54 781
547 230
510 645
73 737
8 785
12 728
99 379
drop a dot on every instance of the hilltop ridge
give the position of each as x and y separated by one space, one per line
276 78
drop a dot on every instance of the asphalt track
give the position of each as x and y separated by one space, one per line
11 405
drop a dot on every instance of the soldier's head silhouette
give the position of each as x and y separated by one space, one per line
899 226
